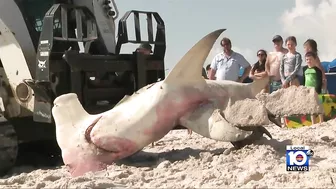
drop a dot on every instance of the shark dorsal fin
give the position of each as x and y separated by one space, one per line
189 68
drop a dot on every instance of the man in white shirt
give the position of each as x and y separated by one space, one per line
226 65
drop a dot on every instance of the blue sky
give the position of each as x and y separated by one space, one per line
250 24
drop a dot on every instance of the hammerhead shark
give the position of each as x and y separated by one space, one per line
184 97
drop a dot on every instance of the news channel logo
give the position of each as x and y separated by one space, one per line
297 157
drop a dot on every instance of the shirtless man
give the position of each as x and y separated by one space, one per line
273 63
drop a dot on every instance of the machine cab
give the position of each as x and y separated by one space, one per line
34 11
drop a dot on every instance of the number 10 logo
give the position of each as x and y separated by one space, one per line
297 158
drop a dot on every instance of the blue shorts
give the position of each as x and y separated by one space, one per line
275 85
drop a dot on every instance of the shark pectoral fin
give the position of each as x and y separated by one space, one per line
190 66
274 119
220 129
258 132
259 129
258 85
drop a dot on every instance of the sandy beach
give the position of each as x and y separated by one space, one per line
180 161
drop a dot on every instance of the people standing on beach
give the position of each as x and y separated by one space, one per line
311 46
312 77
272 64
258 70
226 65
290 64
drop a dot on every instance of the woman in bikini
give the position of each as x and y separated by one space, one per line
258 70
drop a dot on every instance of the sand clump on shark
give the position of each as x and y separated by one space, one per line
291 101
209 108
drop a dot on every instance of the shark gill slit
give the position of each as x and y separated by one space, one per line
89 129
88 137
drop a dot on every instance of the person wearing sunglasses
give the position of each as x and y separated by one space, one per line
258 70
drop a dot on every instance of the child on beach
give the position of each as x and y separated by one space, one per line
311 46
312 77
290 64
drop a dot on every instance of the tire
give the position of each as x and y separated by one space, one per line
8 146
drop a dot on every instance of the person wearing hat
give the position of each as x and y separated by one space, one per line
145 48
273 60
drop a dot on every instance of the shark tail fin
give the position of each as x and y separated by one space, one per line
189 68
259 84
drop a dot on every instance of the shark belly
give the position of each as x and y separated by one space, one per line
150 119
